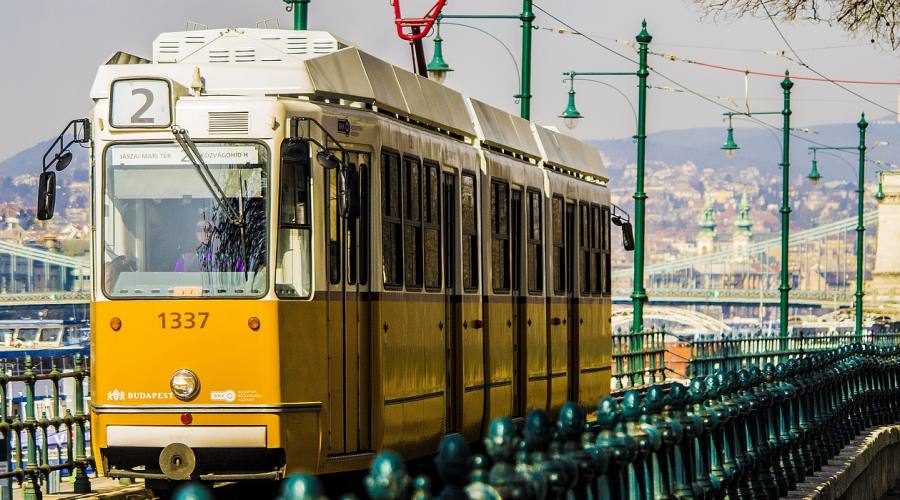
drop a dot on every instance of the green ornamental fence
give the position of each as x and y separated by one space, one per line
638 358
751 433
30 462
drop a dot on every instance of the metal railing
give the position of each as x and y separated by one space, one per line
741 434
638 358
735 351
30 461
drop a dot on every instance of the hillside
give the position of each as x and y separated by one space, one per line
760 148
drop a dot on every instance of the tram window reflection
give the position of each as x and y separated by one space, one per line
469 233
391 233
154 204
293 269
559 245
535 242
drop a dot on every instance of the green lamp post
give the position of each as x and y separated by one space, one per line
527 19
300 8
438 67
860 228
880 194
572 116
730 147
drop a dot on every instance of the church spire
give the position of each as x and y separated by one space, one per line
744 223
708 219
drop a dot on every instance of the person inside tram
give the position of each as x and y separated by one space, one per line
203 258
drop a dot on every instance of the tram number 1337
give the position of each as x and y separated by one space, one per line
182 320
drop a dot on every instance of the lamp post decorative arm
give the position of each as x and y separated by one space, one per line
527 19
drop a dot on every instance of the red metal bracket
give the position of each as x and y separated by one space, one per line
415 28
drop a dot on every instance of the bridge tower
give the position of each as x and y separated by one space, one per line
884 289
707 238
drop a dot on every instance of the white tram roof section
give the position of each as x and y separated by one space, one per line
565 151
505 131
254 62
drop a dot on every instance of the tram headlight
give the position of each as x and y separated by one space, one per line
185 385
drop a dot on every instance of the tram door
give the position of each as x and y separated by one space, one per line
347 261
452 301
518 304
571 303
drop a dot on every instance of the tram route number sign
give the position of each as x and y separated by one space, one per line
140 103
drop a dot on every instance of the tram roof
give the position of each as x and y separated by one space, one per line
565 151
319 64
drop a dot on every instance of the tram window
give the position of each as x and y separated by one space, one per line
469 195
293 276
352 235
559 245
432 226
606 246
167 233
584 238
596 251
363 223
500 236
332 227
412 223
535 243
391 232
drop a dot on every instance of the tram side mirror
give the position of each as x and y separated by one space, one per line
627 236
63 161
327 159
46 195
352 188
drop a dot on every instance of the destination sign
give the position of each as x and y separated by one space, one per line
173 155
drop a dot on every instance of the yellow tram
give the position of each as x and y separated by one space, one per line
304 255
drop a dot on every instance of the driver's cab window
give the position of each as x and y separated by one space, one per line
293 272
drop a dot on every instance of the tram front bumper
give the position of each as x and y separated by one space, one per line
229 446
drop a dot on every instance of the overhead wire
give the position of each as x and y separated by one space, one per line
566 31
685 88
803 63
778 53
670 79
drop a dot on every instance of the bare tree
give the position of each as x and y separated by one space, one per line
874 19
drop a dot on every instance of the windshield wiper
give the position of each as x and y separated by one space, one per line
218 194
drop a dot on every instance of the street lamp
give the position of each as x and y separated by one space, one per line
730 148
527 19
438 68
880 194
814 175
571 116
860 228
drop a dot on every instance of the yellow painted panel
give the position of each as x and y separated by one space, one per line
136 364
536 356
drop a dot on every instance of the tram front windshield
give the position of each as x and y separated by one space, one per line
171 231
